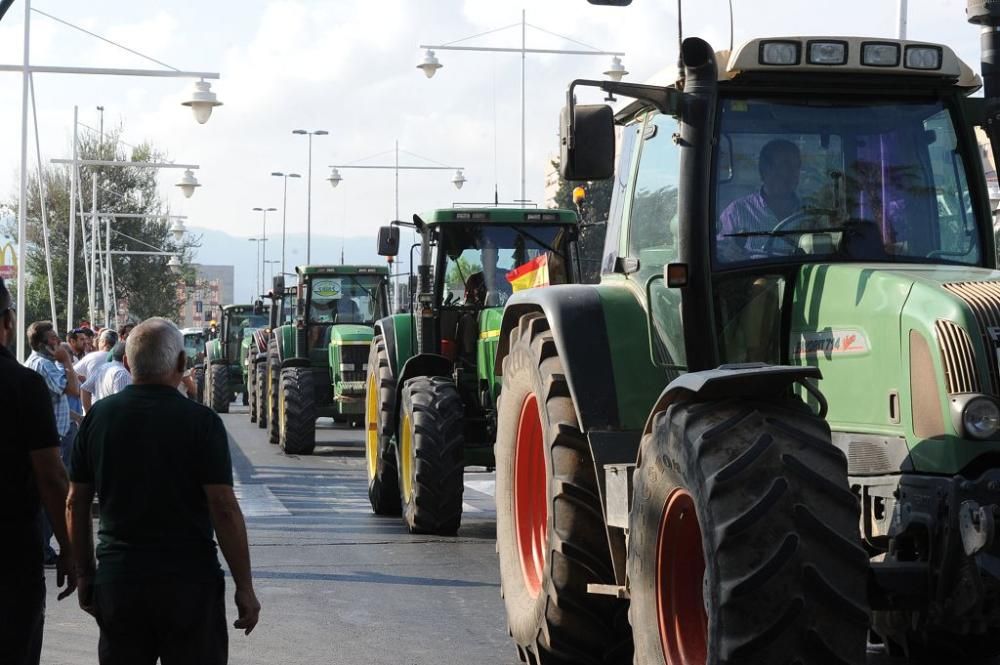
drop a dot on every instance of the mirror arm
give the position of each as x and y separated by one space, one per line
665 100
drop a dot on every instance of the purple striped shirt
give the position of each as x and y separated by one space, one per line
748 214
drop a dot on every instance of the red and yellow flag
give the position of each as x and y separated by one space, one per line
530 275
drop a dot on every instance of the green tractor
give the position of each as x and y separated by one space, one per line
224 355
431 396
314 367
669 476
194 349
282 312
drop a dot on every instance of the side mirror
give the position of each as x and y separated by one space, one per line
279 285
258 307
587 142
388 241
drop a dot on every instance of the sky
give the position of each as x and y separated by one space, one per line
349 67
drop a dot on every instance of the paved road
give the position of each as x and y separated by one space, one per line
337 584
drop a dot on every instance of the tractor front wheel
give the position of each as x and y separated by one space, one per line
252 391
431 454
260 382
380 396
297 412
551 538
219 386
743 540
273 381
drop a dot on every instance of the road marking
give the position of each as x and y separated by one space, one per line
258 501
487 487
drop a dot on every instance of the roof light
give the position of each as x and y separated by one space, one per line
780 53
876 54
540 216
827 53
923 57
463 216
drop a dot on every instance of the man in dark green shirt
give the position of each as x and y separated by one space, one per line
161 469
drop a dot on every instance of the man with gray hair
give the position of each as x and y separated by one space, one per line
160 465
93 360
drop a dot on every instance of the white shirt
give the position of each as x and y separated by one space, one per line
111 378
90 363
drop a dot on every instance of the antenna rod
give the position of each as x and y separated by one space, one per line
680 43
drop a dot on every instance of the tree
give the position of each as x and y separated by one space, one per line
593 220
143 284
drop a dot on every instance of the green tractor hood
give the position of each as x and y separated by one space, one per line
901 349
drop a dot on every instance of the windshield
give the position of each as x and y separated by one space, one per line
238 323
343 299
194 343
841 181
485 264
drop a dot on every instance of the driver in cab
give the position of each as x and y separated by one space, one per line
759 212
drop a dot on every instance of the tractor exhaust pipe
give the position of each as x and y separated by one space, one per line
986 14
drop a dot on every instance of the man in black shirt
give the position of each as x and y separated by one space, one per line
160 466
31 474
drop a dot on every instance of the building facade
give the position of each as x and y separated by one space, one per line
200 301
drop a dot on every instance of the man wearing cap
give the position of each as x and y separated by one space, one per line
31 476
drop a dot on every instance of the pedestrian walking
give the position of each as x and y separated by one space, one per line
109 379
31 476
161 469
54 363
77 340
95 359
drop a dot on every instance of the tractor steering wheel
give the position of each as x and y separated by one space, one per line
790 221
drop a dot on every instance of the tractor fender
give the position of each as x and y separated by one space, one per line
284 340
396 331
295 362
756 380
576 319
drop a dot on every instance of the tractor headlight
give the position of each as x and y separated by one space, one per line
923 57
878 54
977 416
780 53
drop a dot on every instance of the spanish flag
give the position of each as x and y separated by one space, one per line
530 275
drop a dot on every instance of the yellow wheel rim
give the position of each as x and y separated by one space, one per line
371 426
406 458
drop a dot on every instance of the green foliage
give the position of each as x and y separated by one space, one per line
144 286
593 221
457 270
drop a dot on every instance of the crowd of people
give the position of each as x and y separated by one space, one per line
111 415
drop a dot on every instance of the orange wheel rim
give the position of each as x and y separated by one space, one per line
531 510
680 571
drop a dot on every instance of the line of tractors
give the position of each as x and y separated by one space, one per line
753 442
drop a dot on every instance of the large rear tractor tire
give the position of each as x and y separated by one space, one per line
431 455
297 412
219 383
260 381
551 538
273 387
252 392
743 540
380 397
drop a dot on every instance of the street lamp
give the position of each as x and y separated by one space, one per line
284 212
188 183
258 264
177 229
310 134
430 65
272 264
263 238
202 101
334 178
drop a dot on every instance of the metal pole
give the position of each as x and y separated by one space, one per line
71 276
901 19
308 207
93 249
83 236
257 265
397 179
108 286
45 218
284 219
22 206
263 250
523 59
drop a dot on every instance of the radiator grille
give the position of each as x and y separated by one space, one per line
356 355
983 298
958 357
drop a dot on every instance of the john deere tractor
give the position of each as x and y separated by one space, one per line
431 398
194 348
224 377
281 312
796 209
316 364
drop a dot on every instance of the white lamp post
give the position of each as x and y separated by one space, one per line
284 214
28 71
430 64
263 238
309 180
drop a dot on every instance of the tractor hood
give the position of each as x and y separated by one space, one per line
350 333
896 344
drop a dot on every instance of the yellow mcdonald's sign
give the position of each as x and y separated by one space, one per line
8 267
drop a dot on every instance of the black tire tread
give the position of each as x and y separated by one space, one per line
260 383
219 382
383 487
273 385
297 434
